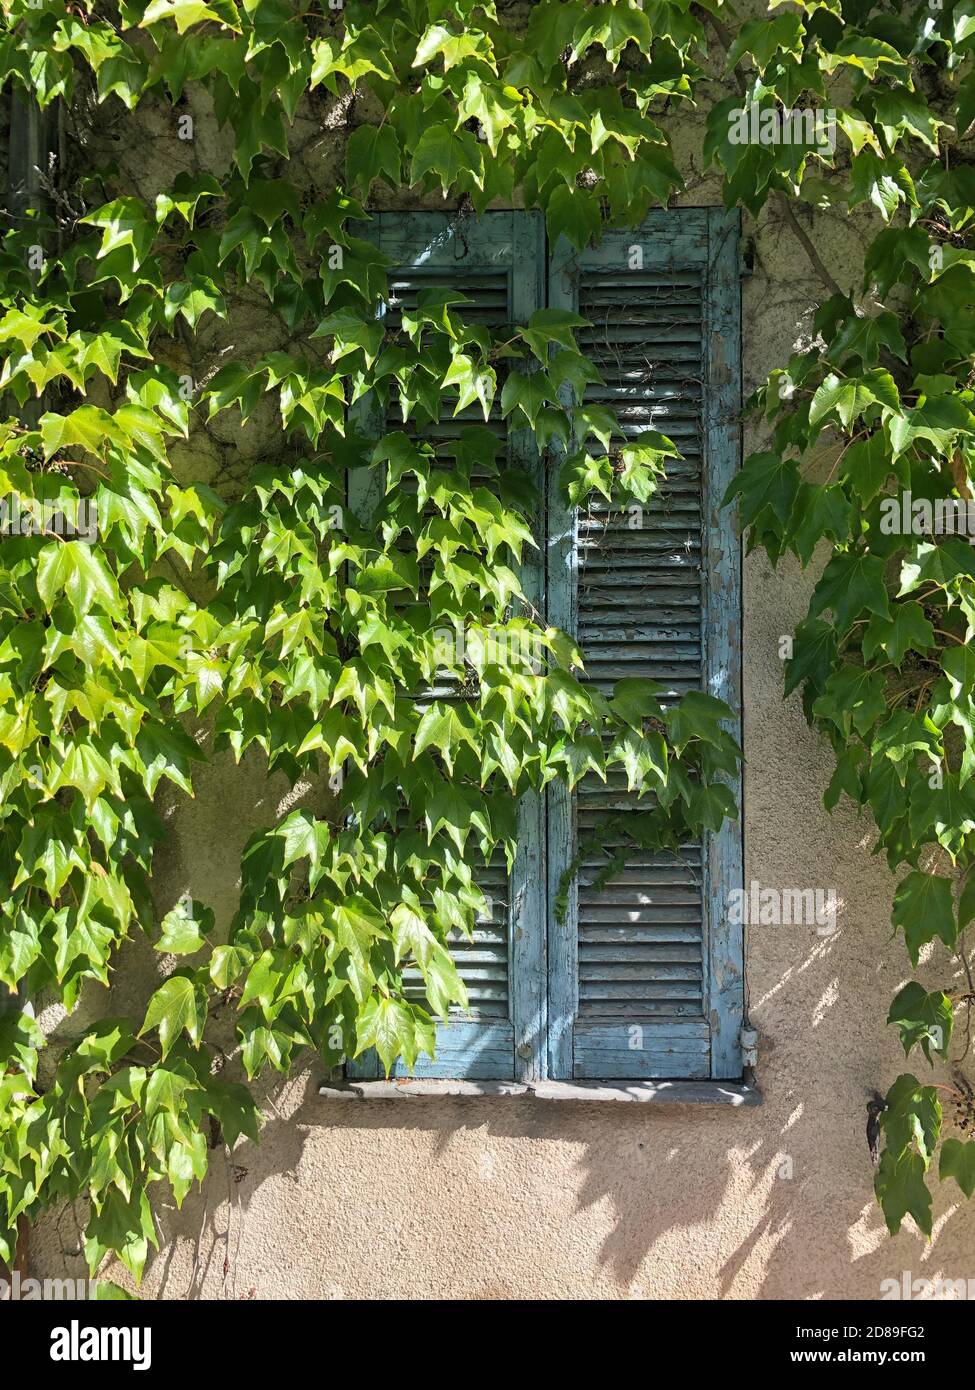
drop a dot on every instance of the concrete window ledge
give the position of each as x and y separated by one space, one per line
643 1092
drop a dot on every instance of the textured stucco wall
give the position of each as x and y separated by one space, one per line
491 1198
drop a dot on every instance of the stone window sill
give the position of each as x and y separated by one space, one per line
642 1092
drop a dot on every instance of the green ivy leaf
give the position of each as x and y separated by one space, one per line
371 151
901 1191
185 928
571 213
924 909
389 1026
852 583
174 1009
958 1162
922 1017
767 481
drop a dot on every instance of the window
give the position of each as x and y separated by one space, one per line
641 977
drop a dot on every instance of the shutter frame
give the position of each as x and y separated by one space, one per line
675 240
723 625
485 1048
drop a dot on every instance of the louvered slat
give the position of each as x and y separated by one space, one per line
626 561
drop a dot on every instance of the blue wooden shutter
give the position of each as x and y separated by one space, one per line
645 975
497 261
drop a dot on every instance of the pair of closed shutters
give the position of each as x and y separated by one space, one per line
642 977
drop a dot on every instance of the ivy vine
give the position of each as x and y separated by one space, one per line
277 618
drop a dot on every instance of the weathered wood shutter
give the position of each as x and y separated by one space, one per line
645 975
497 261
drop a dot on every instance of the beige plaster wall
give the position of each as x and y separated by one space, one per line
520 1198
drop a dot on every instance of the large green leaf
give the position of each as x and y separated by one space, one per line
174 1009
924 909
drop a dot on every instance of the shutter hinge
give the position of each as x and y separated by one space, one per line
746 256
748 1041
